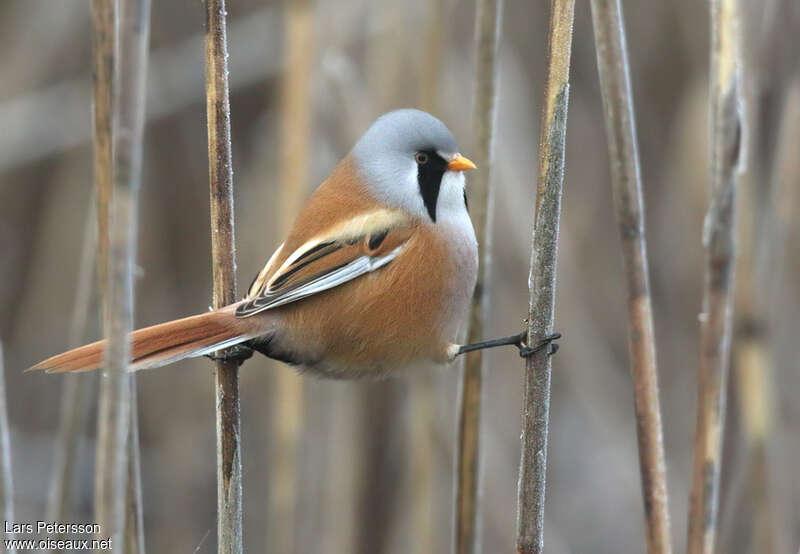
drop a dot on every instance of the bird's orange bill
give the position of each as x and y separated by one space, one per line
460 163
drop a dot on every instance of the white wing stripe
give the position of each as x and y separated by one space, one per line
359 266
348 229
257 282
296 254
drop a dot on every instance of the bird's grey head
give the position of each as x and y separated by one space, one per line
410 160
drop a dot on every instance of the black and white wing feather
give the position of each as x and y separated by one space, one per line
323 263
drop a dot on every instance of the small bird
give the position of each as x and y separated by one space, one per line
376 274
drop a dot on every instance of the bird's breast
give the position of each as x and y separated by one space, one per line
461 247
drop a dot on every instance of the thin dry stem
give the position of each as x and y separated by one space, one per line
422 464
134 518
775 515
542 281
76 392
422 395
223 253
74 404
289 391
103 43
612 64
130 71
719 239
766 69
6 477
102 76
487 37
753 368
296 116
432 63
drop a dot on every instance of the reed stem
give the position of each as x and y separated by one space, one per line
487 38
726 129
626 183
223 253
6 475
542 281
128 120
76 392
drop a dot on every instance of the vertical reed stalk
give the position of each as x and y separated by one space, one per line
434 48
296 116
726 128
766 69
752 524
6 477
764 426
74 407
130 72
422 465
422 393
626 183
487 37
103 43
76 392
289 390
542 281
103 38
134 518
223 253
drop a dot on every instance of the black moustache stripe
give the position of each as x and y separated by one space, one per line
430 175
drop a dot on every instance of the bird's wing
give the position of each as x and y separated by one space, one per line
348 250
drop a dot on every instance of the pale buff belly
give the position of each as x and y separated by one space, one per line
401 316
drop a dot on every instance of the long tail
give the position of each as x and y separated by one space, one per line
167 342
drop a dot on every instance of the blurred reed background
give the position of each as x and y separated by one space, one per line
368 467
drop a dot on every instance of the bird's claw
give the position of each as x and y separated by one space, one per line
527 351
237 353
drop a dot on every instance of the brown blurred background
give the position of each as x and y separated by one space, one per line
367 467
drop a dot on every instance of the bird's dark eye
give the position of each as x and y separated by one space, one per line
421 157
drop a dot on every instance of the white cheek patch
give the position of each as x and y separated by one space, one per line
451 194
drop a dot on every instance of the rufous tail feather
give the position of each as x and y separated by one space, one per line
165 343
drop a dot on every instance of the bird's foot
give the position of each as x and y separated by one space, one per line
237 353
527 351
517 340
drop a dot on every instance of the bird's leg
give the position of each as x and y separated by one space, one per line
236 353
517 340
528 351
